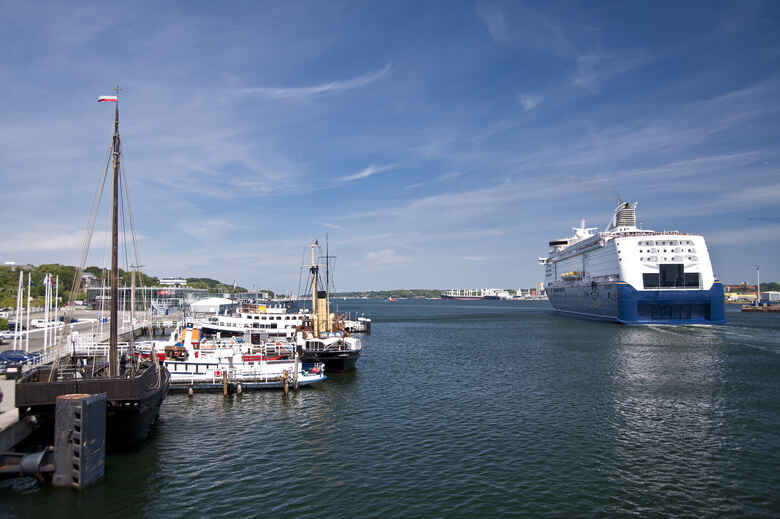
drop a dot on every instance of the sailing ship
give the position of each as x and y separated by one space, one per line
134 388
323 337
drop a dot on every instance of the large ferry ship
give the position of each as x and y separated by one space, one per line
633 276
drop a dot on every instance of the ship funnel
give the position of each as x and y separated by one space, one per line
626 215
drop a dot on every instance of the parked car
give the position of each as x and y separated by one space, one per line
14 357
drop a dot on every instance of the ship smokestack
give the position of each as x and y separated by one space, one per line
626 215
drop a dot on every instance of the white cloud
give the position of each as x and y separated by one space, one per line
452 175
745 236
529 102
57 239
370 170
519 26
758 195
315 90
385 257
208 229
595 69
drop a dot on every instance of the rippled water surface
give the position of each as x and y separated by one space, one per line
472 409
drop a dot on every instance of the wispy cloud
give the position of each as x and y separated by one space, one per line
758 194
595 69
529 102
370 170
315 90
208 229
446 177
516 25
57 239
385 257
331 225
745 236
475 258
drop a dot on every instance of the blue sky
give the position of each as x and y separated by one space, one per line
438 144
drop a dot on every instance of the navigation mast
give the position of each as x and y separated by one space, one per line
113 357
314 269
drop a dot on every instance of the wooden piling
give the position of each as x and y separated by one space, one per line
224 384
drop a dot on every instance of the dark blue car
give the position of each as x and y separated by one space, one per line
14 356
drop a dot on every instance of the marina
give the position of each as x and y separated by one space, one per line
482 259
678 399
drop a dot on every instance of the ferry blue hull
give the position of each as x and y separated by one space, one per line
622 303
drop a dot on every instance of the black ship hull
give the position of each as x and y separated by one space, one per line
335 361
133 404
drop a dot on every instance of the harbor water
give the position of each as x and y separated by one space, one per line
472 409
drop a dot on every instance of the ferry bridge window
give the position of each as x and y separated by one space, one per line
672 275
651 280
692 280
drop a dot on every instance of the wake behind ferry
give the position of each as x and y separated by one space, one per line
633 276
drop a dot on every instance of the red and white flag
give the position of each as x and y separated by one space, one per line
107 99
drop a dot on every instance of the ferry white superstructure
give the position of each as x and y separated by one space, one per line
633 275
274 321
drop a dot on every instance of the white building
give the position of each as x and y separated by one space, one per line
173 282
770 297
213 305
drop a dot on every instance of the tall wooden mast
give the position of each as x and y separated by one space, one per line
113 356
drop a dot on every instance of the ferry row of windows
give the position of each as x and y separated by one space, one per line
674 250
270 317
654 259
254 325
665 243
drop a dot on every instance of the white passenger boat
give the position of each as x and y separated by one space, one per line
253 360
361 324
274 321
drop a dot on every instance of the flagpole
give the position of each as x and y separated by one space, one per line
45 312
18 324
29 302
56 310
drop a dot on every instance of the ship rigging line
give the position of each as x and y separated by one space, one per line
84 253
